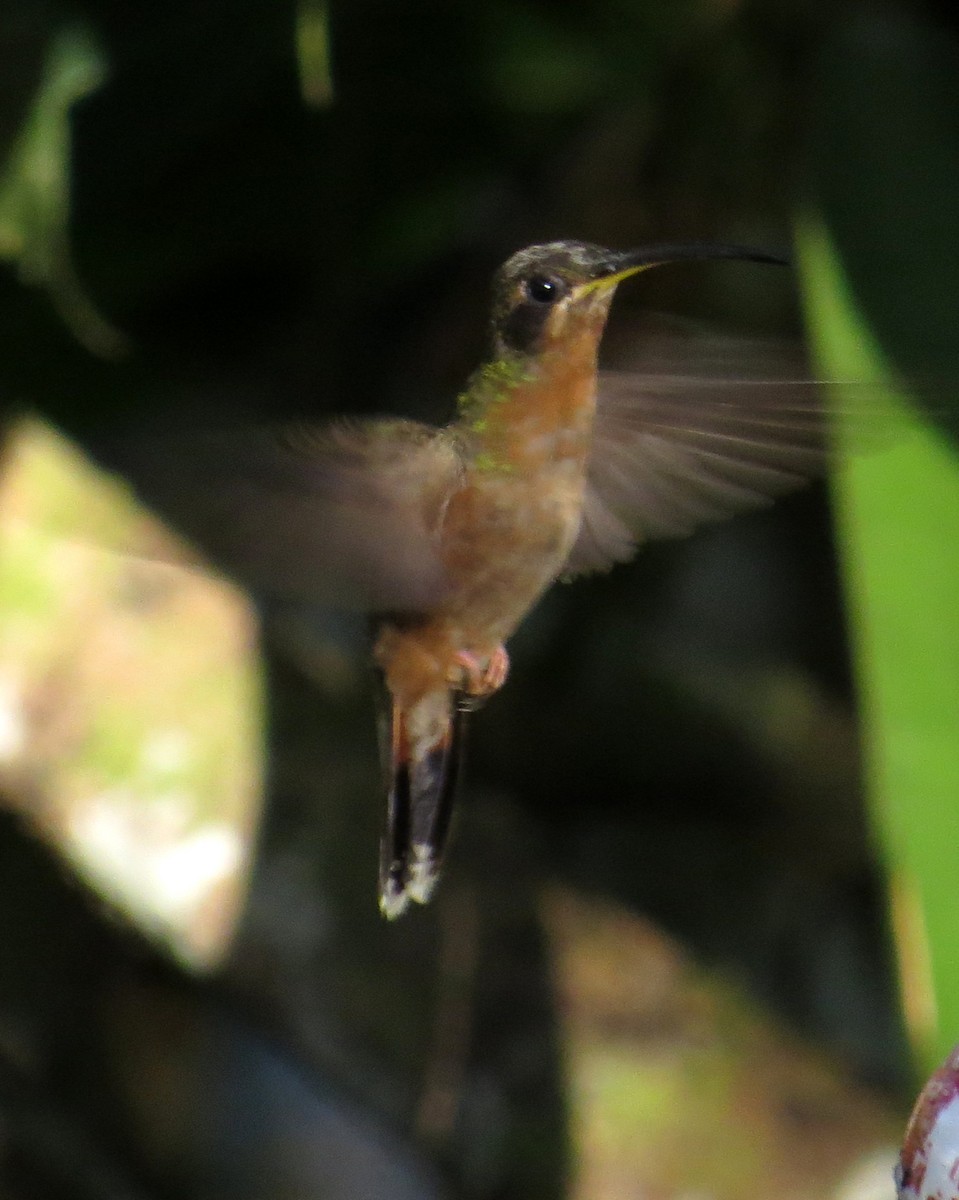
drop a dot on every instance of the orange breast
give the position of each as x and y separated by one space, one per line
507 532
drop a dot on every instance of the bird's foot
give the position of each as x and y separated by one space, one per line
478 679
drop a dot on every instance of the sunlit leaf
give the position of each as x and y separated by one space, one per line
898 518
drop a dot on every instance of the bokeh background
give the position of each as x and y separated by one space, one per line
696 936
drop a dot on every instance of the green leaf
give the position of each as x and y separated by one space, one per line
880 266
35 190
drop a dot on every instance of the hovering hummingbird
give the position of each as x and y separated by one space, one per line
449 535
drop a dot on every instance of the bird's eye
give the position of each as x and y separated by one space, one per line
545 289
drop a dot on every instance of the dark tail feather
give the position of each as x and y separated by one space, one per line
422 792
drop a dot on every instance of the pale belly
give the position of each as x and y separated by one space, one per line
505 541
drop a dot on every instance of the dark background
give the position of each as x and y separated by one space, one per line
248 235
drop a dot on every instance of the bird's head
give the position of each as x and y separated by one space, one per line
547 295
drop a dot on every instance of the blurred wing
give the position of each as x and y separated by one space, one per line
342 515
677 446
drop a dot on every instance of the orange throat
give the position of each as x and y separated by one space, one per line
547 416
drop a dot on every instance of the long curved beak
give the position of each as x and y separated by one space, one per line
620 266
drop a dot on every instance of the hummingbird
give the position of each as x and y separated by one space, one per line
448 536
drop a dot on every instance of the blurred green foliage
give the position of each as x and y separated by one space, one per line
263 208
35 189
131 698
882 268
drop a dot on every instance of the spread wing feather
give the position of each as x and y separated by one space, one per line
342 514
675 450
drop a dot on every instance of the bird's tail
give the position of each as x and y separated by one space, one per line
422 749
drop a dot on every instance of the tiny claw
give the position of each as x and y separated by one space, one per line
479 680
497 669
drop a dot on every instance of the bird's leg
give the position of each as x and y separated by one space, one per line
478 680
497 670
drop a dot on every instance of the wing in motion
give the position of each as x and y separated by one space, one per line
727 429
345 514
